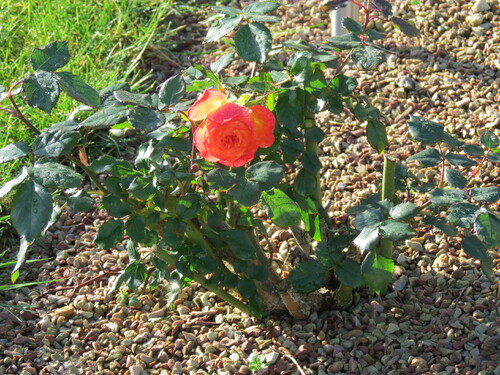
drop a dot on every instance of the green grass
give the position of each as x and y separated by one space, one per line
107 39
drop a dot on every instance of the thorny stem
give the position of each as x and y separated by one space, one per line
388 180
169 259
478 167
441 178
19 114
88 172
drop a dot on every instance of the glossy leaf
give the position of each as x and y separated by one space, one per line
368 217
41 91
173 231
395 230
308 276
171 91
290 108
14 151
142 188
447 197
246 192
403 211
349 273
189 206
314 134
261 7
50 57
489 194
383 6
366 112
474 150
302 69
462 214
455 178
353 26
474 248
146 120
81 201
109 234
368 57
109 116
311 162
282 210
487 227
143 100
221 27
8 186
304 183
31 209
76 88
54 175
55 143
266 172
460 160
253 42
117 207
240 244
429 157
136 230
368 238
220 179
345 41
344 85
425 131
377 272
489 140
377 135
406 28
330 253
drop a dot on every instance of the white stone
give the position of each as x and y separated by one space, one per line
474 19
480 6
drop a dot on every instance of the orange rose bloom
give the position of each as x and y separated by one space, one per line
230 133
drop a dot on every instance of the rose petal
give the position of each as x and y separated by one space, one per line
200 142
264 122
232 142
229 111
206 104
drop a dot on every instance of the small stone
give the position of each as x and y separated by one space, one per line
271 358
146 358
66 311
391 328
480 6
136 370
474 19
189 336
400 283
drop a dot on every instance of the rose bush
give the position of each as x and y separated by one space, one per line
230 133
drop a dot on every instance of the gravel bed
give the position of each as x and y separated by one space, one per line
441 315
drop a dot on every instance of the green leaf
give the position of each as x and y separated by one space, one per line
329 253
489 194
375 35
31 209
308 276
368 217
189 206
146 120
81 201
173 231
290 108
116 167
427 158
116 207
8 186
76 88
403 211
20 258
451 141
253 42
41 91
14 151
377 272
311 162
265 172
50 57
282 210
112 115
474 248
136 229
246 192
349 273
142 188
259 17
447 197
109 234
229 11
55 143
406 28
54 175
425 131
240 244
261 7
220 179
171 91
494 158
135 274
367 57
291 147
334 103
223 62
368 238
474 150
132 252
377 135
247 288
345 41
143 100
489 140
395 230
314 134
462 214
460 160
221 27
302 69
366 113
304 183
344 85
353 26
487 227
455 178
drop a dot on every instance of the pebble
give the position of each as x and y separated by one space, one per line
480 6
